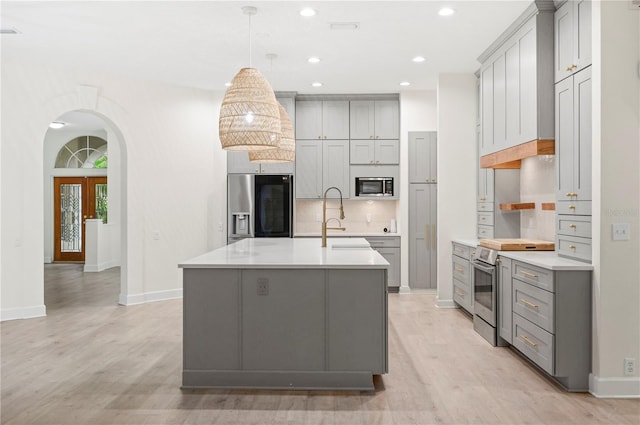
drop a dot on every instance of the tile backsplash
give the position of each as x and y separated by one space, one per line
355 215
537 184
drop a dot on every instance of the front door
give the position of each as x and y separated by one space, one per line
75 200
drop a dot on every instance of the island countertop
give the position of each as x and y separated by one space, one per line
260 253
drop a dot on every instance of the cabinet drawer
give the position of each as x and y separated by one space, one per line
536 276
461 269
384 241
485 232
462 251
573 207
573 225
463 295
485 219
485 206
534 342
574 247
533 304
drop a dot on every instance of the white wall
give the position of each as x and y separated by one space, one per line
173 177
457 171
418 112
616 196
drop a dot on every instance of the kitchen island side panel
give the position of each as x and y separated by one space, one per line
211 319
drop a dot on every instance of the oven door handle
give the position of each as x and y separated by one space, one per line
488 269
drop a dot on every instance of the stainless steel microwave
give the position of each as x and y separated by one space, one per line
374 186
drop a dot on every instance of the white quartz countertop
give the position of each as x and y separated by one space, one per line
291 253
546 259
346 234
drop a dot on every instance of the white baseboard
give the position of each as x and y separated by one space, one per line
147 297
620 387
446 303
48 260
23 313
100 267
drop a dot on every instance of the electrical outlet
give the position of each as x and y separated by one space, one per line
629 367
620 231
318 217
156 235
263 286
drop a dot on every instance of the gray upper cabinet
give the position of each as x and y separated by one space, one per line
238 161
375 151
335 167
516 85
572 38
321 164
374 119
573 137
422 157
485 189
322 119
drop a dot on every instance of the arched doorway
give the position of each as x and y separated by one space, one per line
80 156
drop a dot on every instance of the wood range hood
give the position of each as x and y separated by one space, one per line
512 157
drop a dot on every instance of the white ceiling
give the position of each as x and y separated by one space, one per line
203 44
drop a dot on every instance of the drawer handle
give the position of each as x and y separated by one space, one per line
528 341
459 269
528 274
483 218
483 199
459 293
572 226
529 303
572 207
572 247
571 194
459 249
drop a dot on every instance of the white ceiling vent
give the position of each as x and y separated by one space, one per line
9 31
344 25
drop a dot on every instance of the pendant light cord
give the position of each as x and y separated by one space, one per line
249 41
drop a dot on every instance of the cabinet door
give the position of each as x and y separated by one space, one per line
387 119
335 167
512 95
392 255
422 157
564 128
362 119
335 119
238 163
362 151
505 311
582 33
277 168
308 169
387 152
582 134
422 236
309 119
486 91
563 41
499 104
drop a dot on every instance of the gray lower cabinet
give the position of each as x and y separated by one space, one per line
422 236
389 248
552 321
505 288
462 273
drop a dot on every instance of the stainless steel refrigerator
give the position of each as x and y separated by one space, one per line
259 206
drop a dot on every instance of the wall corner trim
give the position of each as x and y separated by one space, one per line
23 312
618 387
146 297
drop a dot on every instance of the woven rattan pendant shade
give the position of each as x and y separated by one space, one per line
249 116
286 152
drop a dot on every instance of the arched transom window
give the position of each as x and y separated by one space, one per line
83 152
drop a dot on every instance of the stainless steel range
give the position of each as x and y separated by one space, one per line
485 285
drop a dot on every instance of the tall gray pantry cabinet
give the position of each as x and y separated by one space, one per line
422 209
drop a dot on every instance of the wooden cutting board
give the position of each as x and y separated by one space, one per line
517 244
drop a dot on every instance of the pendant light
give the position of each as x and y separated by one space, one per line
249 115
286 150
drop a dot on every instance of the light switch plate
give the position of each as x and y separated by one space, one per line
620 232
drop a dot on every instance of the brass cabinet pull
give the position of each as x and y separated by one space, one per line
572 207
528 274
459 293
571 194
483 218
572 226
459 269
528 341
459 249
571 67
572 247
498 261
483 199
529 303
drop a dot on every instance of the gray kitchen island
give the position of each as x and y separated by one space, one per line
281 313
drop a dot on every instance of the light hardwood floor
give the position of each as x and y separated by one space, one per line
91 361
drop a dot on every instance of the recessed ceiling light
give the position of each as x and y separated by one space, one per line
446 11
405 83
227 84
313 59
418 59
307 11
56 125
316 84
